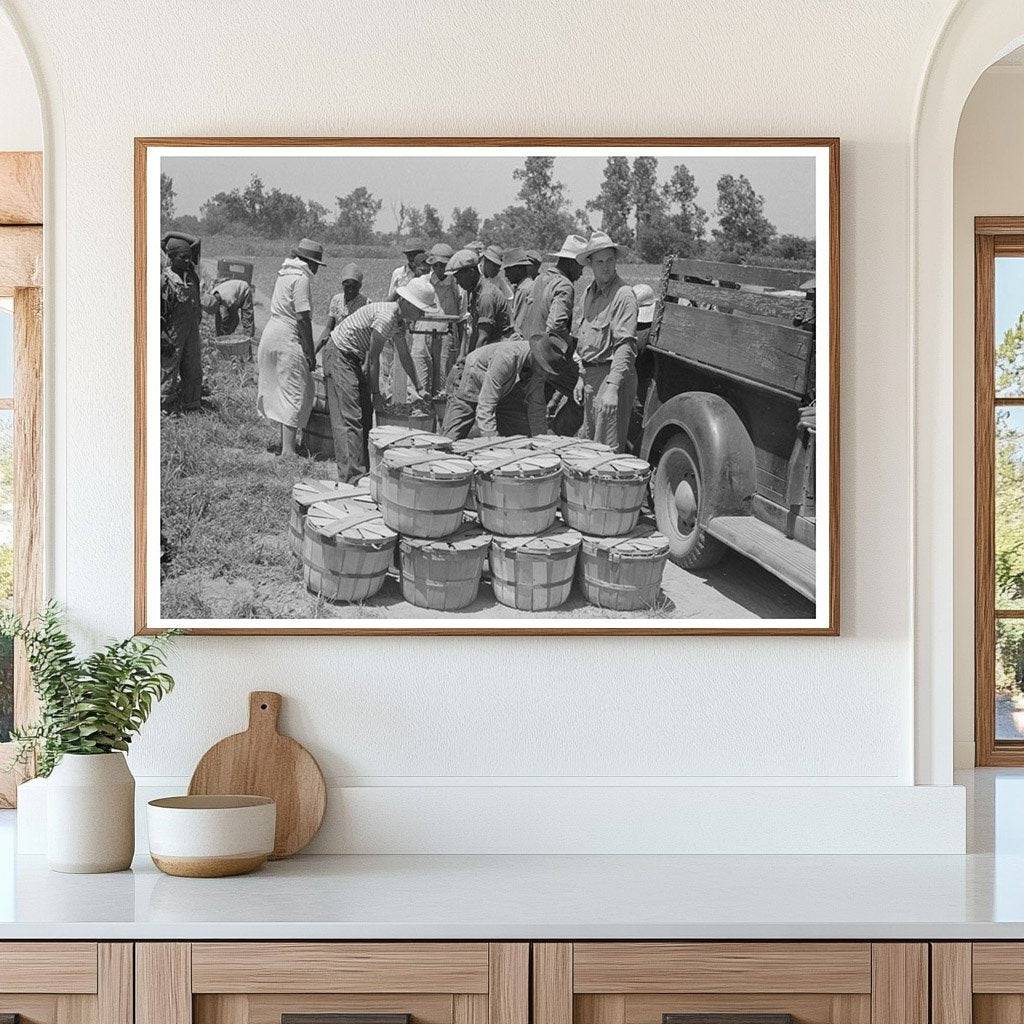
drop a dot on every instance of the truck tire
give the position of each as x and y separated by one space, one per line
680 504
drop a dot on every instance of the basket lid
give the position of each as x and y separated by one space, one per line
642 542
477 444
558 443
352 519
468 537
518 462
557 539
428 464
308 491
604 464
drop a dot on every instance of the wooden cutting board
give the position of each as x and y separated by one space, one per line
262 762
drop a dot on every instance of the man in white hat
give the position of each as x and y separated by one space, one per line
646 302
352 368
412 250
606 345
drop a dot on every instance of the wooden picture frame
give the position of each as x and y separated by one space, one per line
824 296
21 278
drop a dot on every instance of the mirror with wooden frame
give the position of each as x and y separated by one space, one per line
21 366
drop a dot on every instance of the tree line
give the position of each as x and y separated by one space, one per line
649 218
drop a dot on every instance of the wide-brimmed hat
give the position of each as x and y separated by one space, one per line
440 253
645 301
476 245
414 245
571 248
307 249
494 253
598 242
350 272
534 257
420 292
462 260
515 258
551 355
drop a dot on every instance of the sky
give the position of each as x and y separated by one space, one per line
484 182
1009 293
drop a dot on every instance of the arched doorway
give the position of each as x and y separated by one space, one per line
976 34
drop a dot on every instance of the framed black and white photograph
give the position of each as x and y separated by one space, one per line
487 386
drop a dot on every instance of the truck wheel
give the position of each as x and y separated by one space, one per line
679 505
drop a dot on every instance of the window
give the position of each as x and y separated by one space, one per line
999 491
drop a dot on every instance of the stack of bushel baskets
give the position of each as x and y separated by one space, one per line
537 515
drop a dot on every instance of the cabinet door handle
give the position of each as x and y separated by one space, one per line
338 1018
728 1018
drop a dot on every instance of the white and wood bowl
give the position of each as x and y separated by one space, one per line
211 836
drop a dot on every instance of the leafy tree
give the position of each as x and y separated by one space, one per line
614 201
167 196
432 226
513 226
542 220
357 213
742 225
465 225
1009 472
688 219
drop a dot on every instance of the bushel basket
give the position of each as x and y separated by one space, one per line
534 574
602 494
307 493
443 574
623 573
517 491
384 437
423 493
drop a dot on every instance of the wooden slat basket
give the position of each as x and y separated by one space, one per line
347 550
623 573
423 493
306 493
443 574
535 574
384 437
517 491
602 494
557 443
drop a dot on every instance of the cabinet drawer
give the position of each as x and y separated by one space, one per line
262 982
48 967
340 967
736 982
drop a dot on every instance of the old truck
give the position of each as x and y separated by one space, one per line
728 416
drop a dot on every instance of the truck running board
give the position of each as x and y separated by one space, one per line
790 560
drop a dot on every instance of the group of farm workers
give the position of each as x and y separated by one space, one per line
516 359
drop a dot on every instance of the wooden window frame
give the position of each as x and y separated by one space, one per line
21 277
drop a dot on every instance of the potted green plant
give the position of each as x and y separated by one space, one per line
89 710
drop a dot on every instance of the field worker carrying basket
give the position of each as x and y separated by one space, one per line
352 368
285 356
606 346
181 311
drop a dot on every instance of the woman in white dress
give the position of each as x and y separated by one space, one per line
285 355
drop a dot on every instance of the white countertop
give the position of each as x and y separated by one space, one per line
532 897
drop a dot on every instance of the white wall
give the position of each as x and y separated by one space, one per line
444 714
21 124
988 181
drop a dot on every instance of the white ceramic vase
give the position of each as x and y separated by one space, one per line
90 814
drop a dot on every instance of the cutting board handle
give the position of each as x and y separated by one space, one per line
264 710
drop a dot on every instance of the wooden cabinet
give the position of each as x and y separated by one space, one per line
260 982
647 982
979 982
66 982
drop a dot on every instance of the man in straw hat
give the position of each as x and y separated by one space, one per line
352 368
181 366
606 345
412 250
345 302
502 388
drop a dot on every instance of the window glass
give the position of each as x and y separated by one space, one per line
1009 512
6 350
1009 679
1009 327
